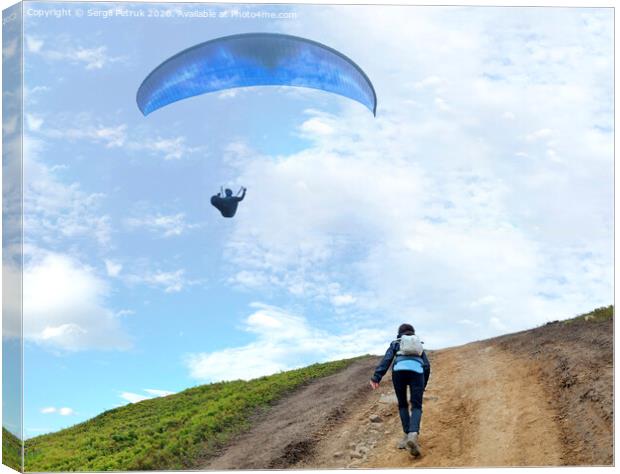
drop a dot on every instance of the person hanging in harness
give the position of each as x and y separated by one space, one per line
411 369
227 205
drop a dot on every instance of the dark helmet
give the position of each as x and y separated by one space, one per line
228 192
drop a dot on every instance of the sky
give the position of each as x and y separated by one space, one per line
477 202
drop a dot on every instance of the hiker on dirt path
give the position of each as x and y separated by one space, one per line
411 369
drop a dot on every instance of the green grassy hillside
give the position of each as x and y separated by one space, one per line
599 314
173 432
11 450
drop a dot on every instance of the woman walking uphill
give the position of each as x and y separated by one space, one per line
411 369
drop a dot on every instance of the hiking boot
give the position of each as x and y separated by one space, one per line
412 444
402 444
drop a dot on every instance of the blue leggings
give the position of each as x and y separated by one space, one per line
415 381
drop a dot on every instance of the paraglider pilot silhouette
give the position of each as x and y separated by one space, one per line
227 204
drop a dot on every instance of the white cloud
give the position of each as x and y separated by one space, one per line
85 127
134 397
65 305
172 282
169 281
249 279
417 213
485 300
341 300
54 210
317 126
170 148
282 341
158 393
109 136
113 269
92 58
441 104
166 225
34 122
30 94
64 332
429 82
553 156
539 135
64 411
468 322
237 153
33 45
497 324
150 393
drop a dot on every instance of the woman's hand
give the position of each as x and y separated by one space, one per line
374 384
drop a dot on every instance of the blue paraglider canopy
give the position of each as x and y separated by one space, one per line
254 59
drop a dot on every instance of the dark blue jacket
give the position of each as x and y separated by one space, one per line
390 355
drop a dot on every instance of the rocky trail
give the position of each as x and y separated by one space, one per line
542 397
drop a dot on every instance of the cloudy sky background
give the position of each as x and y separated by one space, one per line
477 202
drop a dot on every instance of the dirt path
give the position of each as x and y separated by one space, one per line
291 430
483 407
537 398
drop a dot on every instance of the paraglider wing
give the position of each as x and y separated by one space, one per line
254 59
